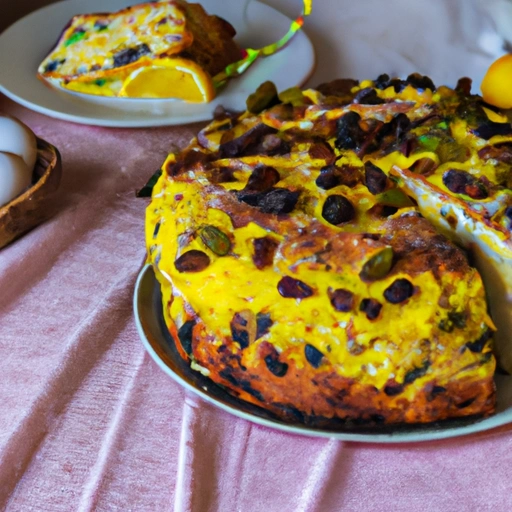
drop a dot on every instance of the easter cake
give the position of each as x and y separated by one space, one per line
311 251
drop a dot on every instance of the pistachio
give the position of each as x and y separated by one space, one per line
378 265
217 241
293 96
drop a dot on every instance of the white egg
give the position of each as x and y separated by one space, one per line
15 177
19 139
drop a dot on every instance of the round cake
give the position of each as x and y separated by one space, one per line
300 272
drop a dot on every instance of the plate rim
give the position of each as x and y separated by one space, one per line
134 118
436 433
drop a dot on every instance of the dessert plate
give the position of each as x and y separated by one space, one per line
147 303
27 42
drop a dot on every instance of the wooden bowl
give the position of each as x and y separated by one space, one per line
33 206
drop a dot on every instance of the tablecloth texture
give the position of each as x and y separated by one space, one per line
89 422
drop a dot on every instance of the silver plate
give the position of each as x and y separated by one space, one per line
147 304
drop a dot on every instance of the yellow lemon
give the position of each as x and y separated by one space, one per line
497 83
170 78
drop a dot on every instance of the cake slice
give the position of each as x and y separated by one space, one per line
180 43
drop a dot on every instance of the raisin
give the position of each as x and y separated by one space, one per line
328 178
263 324
129 55
238 333
341 299
466 403
489 129
185 335
368 96
371 307
313 356
338 209
392 388
420 82
349 135
375 178
478 345
275 366
53 65
237 147
264 249
277 201
157 229
461 182
262 178
192 261
339 87
399 291
291 288
416 373
264 97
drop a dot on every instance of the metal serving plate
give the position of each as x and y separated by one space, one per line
147 303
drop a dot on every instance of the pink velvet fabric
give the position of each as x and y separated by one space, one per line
89 422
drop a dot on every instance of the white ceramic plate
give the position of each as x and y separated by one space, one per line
147 305
25 44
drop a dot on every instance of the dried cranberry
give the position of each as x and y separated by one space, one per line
371 307
264 249
375 178
338 209
341 300
461 182
291 288
192 261
313 355
349 135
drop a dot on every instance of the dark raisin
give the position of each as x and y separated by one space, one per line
313 356
53 65
375 178
328 178
371 307
341 299
420 82
275 366
382 81
392 388
264 249
291 288
397 84
241 336
461 182
264 97
508 212
277 201
237 147
466 403
192 261
262 178
368 96
157 229
185 335
437 390
490 129
338 209
399 291
458 319
416 373
349 135
100 24
263 324
272 145
129 55
478 345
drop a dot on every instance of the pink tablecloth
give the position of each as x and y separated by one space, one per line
89 422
